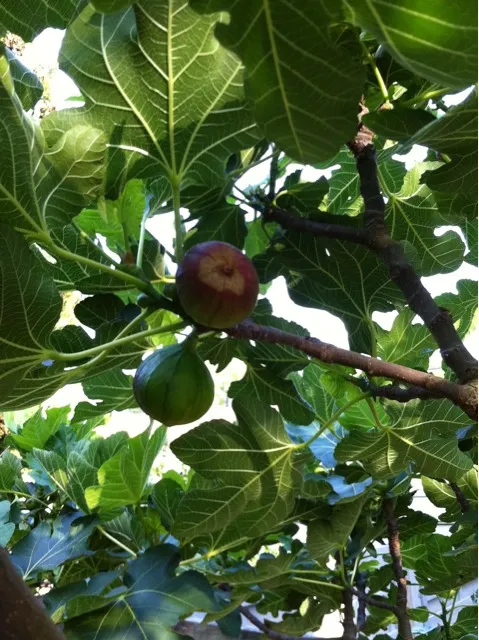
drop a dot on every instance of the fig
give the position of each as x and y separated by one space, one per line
144 301
173 385
217 285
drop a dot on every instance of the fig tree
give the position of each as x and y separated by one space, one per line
217 285
173 385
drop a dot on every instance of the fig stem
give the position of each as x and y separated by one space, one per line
329 423
141 240
178 223
114 344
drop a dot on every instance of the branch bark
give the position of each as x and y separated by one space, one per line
350 631
361 594
22 615
439 322
464 396
460 497
271 633
375 235
404 624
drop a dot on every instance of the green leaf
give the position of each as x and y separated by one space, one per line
28 20
454 183
28 87
113 392
30 307
415 523
413 217
327 535
399 123
263 385
38 429
10 471
412 438
50 544
123 478
76 469
462 306
453 133
414 549
218 351
314 269
257 239
406 343
311 617
304 197
115 218
128 529
466 622
443 568
442 495
6 528
153 601
61 602
224 223
181 100
67 173
110 6
437 42
166 495
295 73
253 464
96 310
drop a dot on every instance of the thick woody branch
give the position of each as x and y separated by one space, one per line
462 395
21 613
350 631
404 624
439 321
376 237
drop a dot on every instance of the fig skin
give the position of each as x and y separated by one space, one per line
217 285
173 385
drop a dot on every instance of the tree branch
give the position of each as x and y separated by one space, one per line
375 236
464 396
314 228
404 624
460 497
21 613
401 394
373 602
361 595
271 633
439 322
349 626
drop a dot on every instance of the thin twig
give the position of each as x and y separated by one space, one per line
404 624
373 602
460 497
271 633
463 395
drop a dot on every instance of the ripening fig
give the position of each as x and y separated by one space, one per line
217 285
173 385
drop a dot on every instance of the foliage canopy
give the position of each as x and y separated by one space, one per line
285 505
